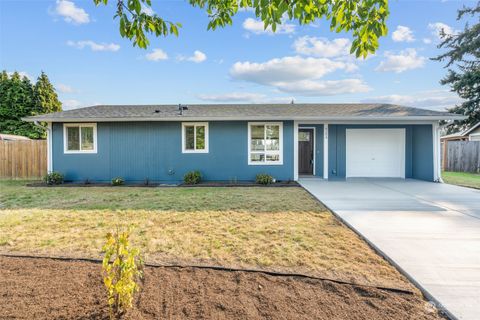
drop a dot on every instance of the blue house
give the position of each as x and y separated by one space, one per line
237 141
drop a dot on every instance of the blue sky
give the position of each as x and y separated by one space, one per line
80 49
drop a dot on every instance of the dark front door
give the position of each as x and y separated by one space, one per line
305 151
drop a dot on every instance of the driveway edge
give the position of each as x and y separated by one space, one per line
424 291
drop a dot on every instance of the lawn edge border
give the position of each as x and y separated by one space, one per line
377 250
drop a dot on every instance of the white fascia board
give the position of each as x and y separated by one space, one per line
254 118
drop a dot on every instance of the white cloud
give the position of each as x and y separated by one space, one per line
147 10
94 46
323 87
299 75
437 28
405 60
427 40
232 97
287 69
157 55
403 34
432 99
198 56
71 104
257 27
63 88
71 13
322 47
22 74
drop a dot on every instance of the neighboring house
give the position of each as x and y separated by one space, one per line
12 137
236 142
471 134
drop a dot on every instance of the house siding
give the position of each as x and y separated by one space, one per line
153 150
418 150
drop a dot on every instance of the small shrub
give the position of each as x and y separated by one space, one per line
192 177
53 178
263 178
121 272
118 181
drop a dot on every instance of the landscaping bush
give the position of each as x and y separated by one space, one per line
192 177
53 178
118 181
121 272
263 178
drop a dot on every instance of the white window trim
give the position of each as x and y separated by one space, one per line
280 151
65 141
195 124
473 135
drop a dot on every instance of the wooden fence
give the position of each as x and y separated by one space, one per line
463 156
23 159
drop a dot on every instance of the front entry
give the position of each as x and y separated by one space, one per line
305 151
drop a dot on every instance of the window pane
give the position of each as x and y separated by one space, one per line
200 137
304 136
273 157
258 138
87 138
257 157
273 132
73 138
273 137
190 137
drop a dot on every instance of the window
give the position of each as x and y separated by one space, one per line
80 137
265 143
195 137
304 136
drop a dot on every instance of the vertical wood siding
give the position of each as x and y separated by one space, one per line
23 159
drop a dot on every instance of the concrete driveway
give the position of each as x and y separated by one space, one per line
429 230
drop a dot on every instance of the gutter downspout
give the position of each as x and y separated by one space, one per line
48 129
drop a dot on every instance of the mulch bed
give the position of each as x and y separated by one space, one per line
160 185
39 288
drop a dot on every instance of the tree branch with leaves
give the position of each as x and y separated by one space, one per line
366 19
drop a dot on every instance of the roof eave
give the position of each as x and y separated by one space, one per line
251 118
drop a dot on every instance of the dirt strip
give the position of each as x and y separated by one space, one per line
53 289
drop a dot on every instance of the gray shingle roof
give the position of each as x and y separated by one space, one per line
244 112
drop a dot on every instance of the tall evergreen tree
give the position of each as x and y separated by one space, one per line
463 63
45 97
17 100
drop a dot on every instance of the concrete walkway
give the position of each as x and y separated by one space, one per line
430 230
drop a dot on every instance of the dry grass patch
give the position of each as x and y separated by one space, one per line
282 229
311 242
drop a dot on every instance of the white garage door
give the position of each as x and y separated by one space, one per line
375 153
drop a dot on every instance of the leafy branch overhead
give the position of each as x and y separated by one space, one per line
366 19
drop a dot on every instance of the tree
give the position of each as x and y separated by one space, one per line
365 18
19 98
45 97
463 63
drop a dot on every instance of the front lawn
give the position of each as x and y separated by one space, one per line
465 179
282 229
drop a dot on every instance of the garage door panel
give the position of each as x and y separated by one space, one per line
375 153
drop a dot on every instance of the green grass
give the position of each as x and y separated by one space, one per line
281 229
15 194
465 179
